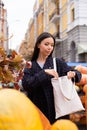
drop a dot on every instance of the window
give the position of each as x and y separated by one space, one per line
72 15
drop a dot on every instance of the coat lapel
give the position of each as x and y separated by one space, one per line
49 63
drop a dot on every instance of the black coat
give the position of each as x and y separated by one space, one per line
39 88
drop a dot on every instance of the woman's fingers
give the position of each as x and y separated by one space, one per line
52 72
71 74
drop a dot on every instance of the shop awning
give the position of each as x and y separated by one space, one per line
82 48
73 64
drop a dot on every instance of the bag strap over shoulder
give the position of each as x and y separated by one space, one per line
54 64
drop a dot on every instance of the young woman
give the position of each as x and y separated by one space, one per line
37 78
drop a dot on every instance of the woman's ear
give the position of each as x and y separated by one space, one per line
38 46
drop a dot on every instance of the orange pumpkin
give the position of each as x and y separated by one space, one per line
85 90
17 112
82 69
64 124
45 122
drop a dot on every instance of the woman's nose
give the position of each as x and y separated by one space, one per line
49 46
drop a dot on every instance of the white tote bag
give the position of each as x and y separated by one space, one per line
66 98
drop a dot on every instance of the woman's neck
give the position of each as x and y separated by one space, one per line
41 58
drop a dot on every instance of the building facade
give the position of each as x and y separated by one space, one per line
3 27
67 21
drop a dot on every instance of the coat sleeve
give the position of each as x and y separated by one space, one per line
30 81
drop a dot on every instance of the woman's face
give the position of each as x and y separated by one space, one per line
46 46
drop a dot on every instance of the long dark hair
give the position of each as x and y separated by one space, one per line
40 38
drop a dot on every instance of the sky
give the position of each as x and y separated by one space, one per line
19 13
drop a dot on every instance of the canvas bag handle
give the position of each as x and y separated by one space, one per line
54 64
69 93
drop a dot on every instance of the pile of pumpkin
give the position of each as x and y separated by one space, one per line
83 70
17 112
83 84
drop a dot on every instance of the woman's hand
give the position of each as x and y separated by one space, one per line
71 74
52 72
28 64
